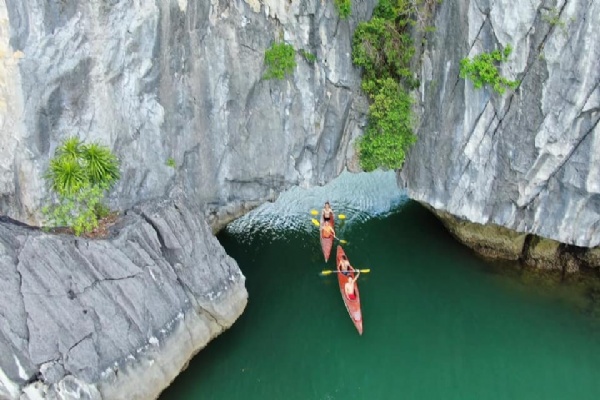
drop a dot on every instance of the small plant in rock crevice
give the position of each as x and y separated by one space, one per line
344 8
308 56
280 60
483 70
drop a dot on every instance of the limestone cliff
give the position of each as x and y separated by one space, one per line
154 80
177 79
527 160
116 318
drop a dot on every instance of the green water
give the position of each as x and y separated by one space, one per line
439 323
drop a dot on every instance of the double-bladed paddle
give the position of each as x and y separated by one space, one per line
333 271
315 212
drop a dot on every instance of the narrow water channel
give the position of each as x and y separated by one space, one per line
439 322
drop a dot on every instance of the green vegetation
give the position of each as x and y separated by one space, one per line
79 175
280 60
483 70
344 8
383 47
552 17
171 162
308 56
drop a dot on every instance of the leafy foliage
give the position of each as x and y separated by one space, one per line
389 133
79 175
280 60
383 47
308 56
344 7
483 70
171 162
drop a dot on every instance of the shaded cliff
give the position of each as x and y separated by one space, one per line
526 160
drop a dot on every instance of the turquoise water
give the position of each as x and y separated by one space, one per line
439 322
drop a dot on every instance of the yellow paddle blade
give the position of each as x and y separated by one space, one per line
364 271
314 212
342 241
341 216
327 272
314 221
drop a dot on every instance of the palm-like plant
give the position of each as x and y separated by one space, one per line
100 164
71 148
79 175
66 176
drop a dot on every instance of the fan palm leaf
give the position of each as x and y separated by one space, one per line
101 165
66 176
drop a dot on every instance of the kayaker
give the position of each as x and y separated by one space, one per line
327 213
350 287
345 266
328 230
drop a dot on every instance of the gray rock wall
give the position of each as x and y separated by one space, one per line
527 160
177 79
116 318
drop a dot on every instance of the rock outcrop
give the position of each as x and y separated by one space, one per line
526 160
116 318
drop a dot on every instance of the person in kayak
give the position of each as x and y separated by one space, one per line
326 213
345 266
350 287
328 230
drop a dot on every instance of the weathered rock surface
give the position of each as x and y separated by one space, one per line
497 242
527 160
116 318
179 79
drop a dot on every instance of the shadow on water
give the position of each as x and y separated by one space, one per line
440 322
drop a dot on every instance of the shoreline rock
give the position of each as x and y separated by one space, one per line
115 318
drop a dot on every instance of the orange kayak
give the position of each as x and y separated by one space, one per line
326 243
353 306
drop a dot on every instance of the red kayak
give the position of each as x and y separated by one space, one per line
353 306
326 243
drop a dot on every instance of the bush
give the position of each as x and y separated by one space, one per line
344 8
280 60
78 176
389 133
483 70
383 47
308 56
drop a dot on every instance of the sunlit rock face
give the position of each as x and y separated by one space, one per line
528 160
176 90
114 318
181 80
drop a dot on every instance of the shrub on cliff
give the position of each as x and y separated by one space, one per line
280 59
383 47
483 70
344 7
79 175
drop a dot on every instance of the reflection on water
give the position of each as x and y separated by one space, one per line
357 196
440 322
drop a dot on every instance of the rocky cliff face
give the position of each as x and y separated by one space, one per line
154 80
116 318
179 79
526 160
